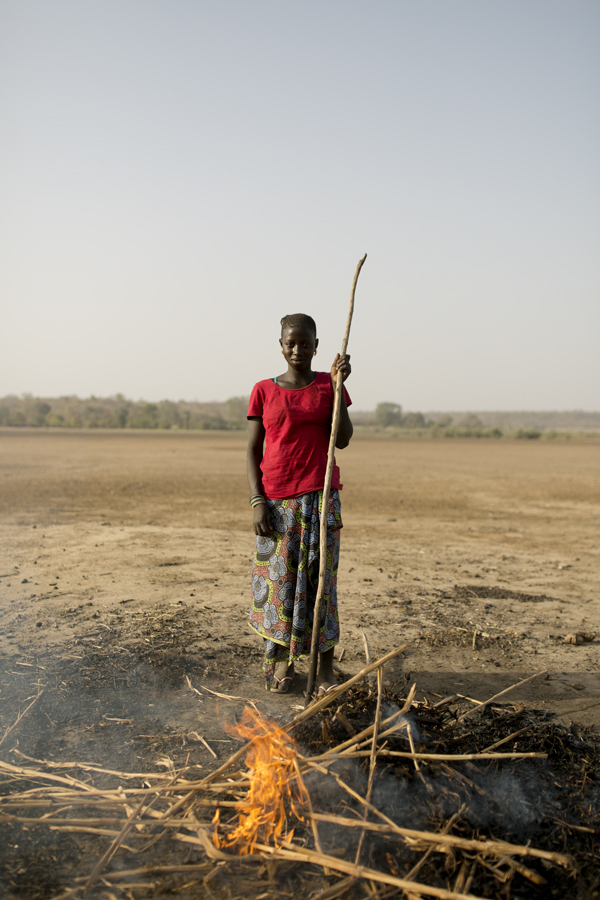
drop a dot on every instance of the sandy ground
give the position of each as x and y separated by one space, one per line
128 552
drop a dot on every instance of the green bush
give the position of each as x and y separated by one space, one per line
388 415
527 434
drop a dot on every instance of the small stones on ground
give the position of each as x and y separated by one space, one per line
580 637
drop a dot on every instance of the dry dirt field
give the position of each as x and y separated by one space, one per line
125 568
146 537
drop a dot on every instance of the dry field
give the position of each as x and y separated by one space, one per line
144 538
125 572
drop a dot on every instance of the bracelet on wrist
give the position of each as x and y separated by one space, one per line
254 501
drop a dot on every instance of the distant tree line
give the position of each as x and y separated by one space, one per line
388 418
391 416
118 412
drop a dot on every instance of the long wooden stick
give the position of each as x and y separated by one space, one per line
337 402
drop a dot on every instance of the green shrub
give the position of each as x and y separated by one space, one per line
388 415
527 434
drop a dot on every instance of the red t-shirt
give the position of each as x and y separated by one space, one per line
297 426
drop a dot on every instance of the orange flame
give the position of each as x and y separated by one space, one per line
274 785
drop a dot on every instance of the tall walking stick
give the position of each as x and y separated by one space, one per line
337 402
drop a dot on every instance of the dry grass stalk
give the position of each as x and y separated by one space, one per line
373 758
506 739
413 753
501 694
439 757
434 845
308 800
332 695
431 849
86 767
19 717
122 874
202 741
33 774
369 678
494 848
288 851
336 890
113 847
535 877
360 738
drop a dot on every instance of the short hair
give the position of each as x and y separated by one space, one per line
299 319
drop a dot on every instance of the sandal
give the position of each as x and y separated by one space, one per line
282 685
326 687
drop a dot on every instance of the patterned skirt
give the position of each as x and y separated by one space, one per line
285 578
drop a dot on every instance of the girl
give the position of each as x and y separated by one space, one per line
292 414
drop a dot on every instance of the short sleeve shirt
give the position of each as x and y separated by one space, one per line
297 426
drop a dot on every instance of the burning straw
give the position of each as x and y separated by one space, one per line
255 812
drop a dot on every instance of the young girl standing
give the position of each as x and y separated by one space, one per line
288 438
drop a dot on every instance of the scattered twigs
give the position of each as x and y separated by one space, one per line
313 821
493 848
333 695
19 717
191 686
122 874
506 739
419 865
202 741
336 890
114 846
289 851
307 713
525 871
133 817
470 712
359 739
33 774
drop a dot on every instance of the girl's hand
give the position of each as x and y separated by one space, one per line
340 364
261 520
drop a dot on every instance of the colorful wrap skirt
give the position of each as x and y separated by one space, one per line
285 578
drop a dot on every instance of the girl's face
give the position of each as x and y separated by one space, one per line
298 345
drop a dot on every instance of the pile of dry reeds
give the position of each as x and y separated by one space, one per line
147 808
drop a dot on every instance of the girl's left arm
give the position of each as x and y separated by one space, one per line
345 429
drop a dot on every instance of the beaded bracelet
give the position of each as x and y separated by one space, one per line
254 501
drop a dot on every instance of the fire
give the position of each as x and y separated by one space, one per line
275 785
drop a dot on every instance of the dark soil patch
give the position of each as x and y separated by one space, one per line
469 592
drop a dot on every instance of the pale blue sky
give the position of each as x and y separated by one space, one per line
178 175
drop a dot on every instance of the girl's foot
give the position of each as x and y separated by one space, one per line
283 677
326 676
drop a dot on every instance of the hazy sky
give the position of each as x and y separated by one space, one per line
176 175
